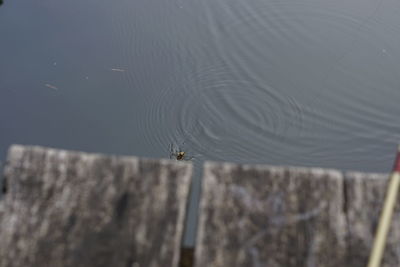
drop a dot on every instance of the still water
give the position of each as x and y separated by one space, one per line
282 82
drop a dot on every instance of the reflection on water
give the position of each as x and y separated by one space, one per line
1 2
308 82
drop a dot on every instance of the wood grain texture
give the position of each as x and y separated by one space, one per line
365 194
76 209
271 216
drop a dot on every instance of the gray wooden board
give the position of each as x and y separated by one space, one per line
76 209
365 193
270 216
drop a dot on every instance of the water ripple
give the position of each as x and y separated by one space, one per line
304 83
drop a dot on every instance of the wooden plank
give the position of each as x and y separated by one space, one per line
270 216
76 209
365 193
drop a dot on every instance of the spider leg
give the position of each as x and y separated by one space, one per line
171 151
187 157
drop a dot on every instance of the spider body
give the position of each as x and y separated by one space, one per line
175 152
180 155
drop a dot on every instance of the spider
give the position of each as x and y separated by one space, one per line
177 153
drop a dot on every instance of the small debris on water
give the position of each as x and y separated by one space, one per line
118 70
51 86
55 63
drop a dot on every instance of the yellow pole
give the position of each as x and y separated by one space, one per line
386 215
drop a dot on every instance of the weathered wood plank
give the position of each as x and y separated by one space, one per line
270 216
75 209
365 193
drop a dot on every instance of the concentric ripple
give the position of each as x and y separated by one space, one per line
282 82
225 119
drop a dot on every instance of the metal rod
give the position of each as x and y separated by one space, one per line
386 215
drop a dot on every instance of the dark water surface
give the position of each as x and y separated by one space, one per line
308 82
